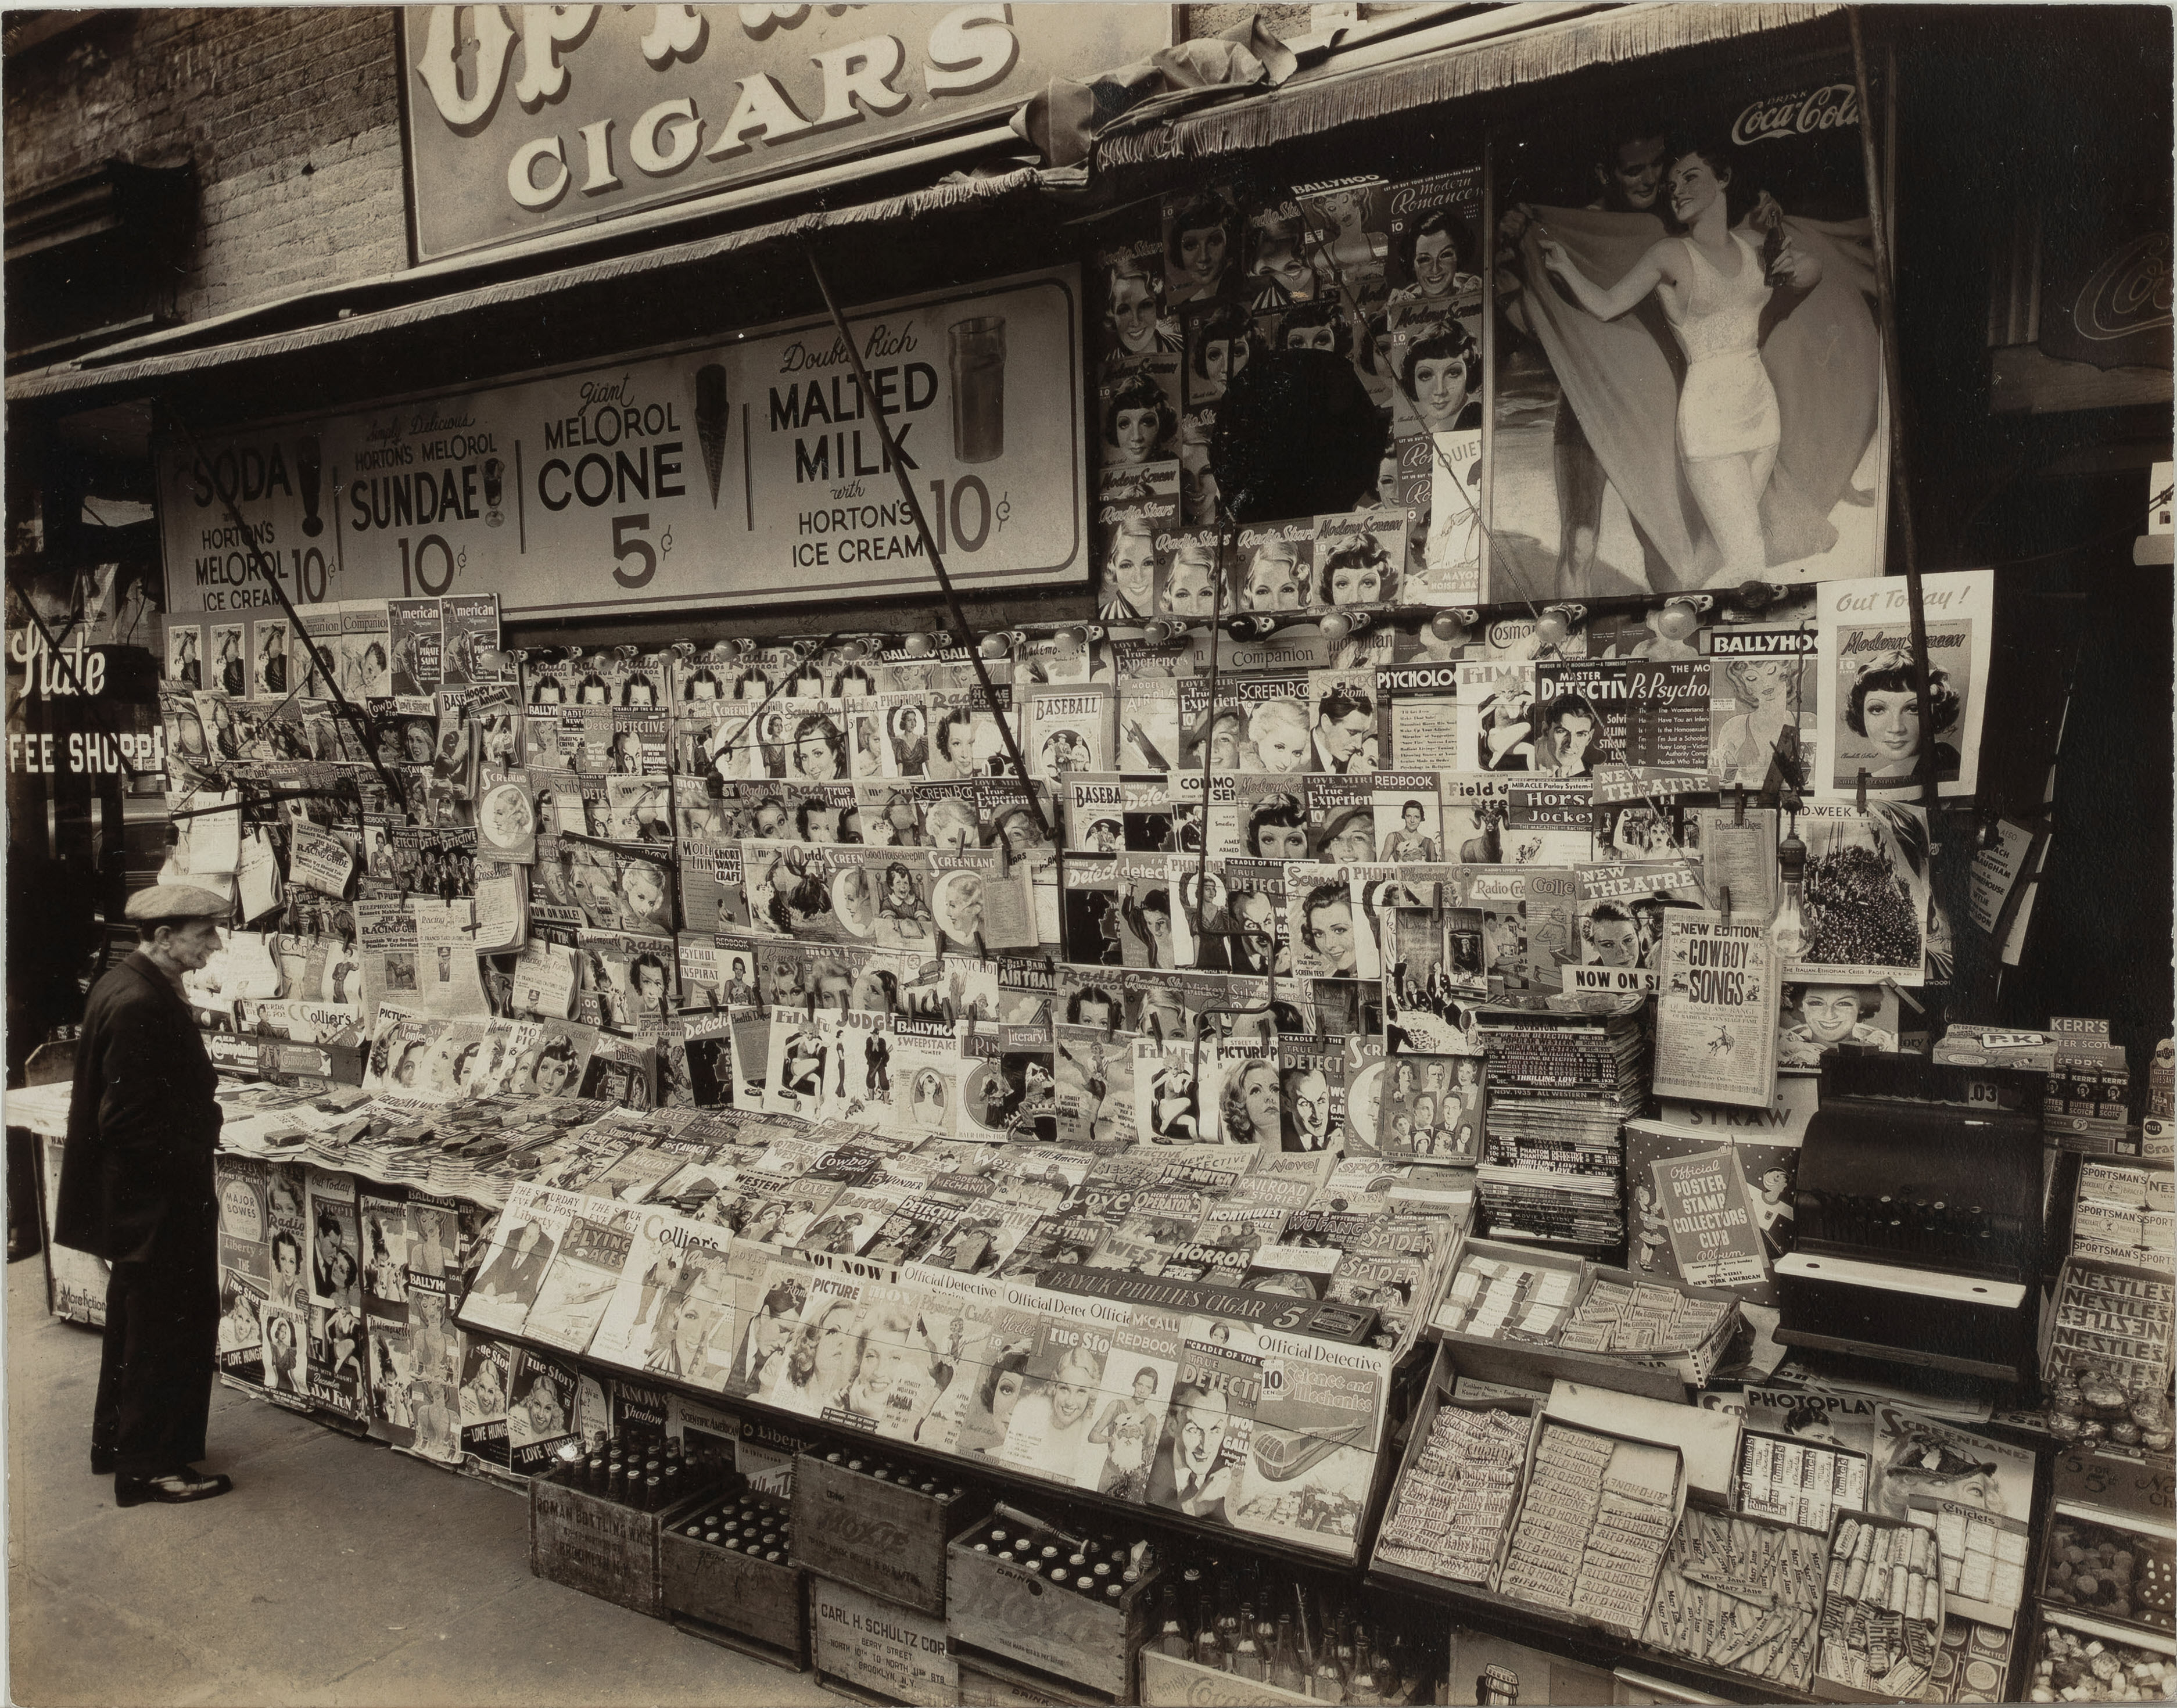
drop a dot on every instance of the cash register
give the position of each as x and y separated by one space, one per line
1918 1217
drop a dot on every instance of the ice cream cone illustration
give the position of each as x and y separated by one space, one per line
711 422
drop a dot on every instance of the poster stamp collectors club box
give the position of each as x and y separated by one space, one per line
877 1534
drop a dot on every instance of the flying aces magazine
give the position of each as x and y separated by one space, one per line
585 1270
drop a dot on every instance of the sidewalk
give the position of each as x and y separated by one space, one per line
338 1573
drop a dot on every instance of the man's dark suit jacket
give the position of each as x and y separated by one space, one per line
136 1180
1164 1481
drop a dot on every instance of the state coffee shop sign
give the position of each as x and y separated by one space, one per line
746 472
523 118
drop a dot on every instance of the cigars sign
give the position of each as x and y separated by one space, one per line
745 473
523 118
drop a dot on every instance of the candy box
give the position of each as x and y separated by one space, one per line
2079 1659
1882 1611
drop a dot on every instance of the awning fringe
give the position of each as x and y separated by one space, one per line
53 382
1304 109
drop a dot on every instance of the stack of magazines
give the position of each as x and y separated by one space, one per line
1563 1085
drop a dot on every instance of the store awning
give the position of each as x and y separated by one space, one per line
336 330
1491 51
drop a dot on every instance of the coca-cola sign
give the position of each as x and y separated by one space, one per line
1802 113
2128 293
2110 308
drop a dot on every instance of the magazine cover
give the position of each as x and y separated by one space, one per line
1311 1093
585 1271
335 1269
387 1412
1717 1019
1068 729
486 1373
242 1320
1312 1446
383 1217
1359 558
672 1314
1273 566
1617 466
541 1404
1622 911
1432 1109
1872 719
1167 1099
418 646
1199 1467
1094 1094
245 1232
1813 1019
1331 936
335 1360
1868 915
524 1241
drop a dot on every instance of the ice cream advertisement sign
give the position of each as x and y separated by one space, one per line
752 472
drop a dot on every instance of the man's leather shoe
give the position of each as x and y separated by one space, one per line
176 1488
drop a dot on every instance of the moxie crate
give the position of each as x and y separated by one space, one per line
878 1650
748 1604
877 1536
1006 1610
986 1682
602 1547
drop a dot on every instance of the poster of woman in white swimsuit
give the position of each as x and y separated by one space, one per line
1689 390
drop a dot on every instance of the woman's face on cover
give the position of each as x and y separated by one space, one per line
1131 567
1436 263
1831 1011
1439 390
1135 431
813 754
1272 582
1259 1093
1192 591
1356 584
1134 313
1217 360
1892 718
1201 252
1310 338
552 1071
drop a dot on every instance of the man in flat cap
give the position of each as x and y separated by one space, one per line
136 1189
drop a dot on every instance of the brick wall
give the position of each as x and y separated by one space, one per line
290 116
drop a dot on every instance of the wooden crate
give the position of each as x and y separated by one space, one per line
879 1537
733 1598
986 1682
1006 1610
877 1650
1167 1682
599 1547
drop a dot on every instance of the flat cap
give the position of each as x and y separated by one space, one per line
170 904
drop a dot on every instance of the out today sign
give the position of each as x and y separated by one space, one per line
746 472
523 118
